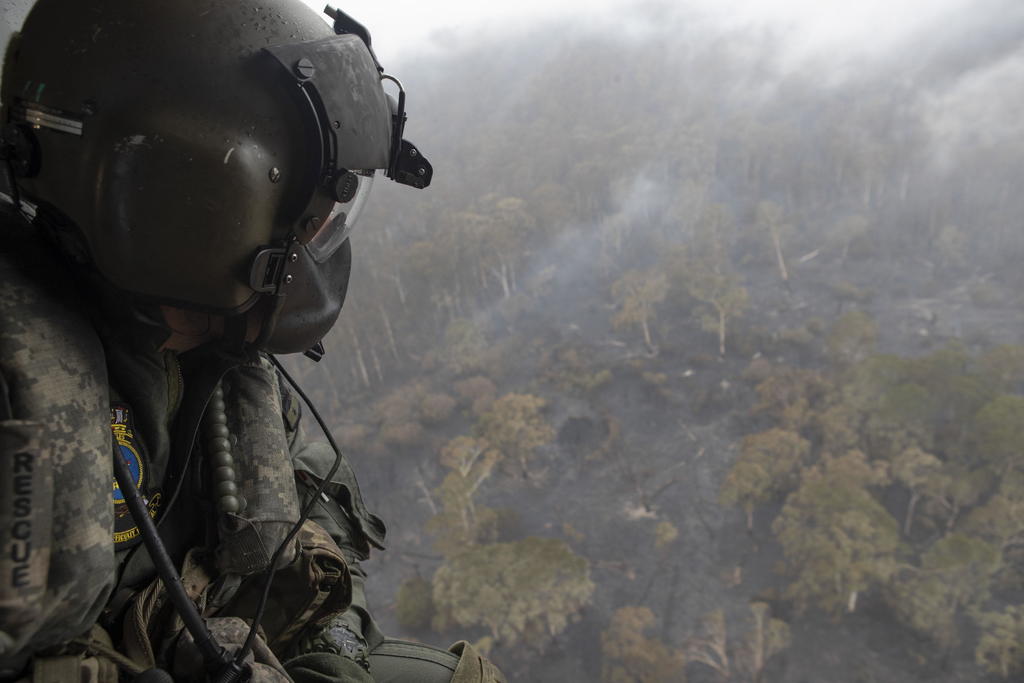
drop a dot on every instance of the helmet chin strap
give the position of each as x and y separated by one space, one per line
237 339
272 305
236 331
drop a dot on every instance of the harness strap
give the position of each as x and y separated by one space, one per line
102 648
143 625
326 573
315 585
473 667
64 669
98 662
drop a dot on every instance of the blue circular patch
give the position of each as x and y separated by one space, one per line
132 453
131 458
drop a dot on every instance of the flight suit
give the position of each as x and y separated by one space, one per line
82 377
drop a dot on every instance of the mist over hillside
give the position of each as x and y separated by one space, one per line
918 139
674 370
700 360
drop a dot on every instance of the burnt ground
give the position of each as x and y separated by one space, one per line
681 413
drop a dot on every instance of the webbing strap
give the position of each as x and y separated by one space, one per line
66 669
406 650
473 667
74 669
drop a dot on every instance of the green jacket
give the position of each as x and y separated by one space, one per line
76 379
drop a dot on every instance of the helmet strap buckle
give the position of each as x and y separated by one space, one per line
268 272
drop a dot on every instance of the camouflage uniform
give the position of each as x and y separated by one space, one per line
79 380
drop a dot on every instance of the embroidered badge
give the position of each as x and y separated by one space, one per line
126 532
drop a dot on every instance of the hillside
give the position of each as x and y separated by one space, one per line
696 364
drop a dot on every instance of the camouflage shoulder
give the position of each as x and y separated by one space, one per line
57 400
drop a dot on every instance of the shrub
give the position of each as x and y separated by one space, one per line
351 436
479 392
402 434
436 407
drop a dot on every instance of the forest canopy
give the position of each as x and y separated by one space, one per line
697 361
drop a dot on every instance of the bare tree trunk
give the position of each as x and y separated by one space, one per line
721 331
501 275
647 334
524 463
376 363
458 300
909 519
390 333
466 515
426 494
359 358
954 513
783 271
507 285
449 307
757 651
401 290
353 370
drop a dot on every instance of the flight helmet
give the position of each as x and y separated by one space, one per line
208 155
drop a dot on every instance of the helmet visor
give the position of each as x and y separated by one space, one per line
343 216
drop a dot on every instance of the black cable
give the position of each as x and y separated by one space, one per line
214 656
186 430
306 511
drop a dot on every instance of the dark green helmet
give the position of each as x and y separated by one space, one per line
213 155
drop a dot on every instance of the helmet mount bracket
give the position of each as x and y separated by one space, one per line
343 23
406 165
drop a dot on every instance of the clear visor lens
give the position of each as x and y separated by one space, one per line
341 220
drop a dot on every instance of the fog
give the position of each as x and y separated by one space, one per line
700 359
844 30
736 275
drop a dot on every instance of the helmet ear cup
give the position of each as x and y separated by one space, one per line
19 147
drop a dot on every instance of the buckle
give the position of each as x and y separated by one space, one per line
267 271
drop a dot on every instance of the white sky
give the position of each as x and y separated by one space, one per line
401 28
406 28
